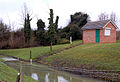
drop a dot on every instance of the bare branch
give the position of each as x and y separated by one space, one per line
103 16
113 17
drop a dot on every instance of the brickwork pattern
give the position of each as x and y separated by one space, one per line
89 36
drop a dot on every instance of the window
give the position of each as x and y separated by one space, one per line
107 31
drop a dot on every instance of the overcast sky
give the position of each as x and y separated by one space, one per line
10 10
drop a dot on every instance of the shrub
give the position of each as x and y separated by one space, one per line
63 41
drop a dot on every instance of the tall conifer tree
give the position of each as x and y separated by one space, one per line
27 28
52 28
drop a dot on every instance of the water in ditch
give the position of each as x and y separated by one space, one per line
43 73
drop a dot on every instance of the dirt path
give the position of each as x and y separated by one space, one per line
57 52
67 49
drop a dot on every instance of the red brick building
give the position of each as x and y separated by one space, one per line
99 32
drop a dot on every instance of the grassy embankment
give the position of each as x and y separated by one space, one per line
8 74
89 56
36 51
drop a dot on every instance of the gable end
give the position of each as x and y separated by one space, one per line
112 23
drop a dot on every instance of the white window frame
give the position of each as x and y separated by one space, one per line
107 31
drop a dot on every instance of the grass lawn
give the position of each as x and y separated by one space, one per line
36 51
89 56
8 74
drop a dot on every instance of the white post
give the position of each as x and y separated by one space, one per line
31 61
70 40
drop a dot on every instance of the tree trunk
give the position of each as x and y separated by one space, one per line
11 41
51 48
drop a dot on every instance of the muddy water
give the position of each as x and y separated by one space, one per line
42 73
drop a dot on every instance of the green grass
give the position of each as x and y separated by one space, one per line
36 51
89 56
118 41
8 74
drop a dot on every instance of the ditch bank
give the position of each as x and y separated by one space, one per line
107 75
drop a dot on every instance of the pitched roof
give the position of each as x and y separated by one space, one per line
95 25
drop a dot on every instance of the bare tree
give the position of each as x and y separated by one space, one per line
11 40
113 17
11 29
26 18
24 11
4 34
103 16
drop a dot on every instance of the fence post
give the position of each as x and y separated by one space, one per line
30 56
21 72
17 79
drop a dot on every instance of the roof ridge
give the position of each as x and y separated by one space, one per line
100 20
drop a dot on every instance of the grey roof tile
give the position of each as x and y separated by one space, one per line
95 25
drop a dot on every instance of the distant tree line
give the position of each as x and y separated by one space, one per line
26 37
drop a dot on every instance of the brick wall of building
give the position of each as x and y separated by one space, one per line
108 39
89 36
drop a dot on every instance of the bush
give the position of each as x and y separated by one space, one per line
63 41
